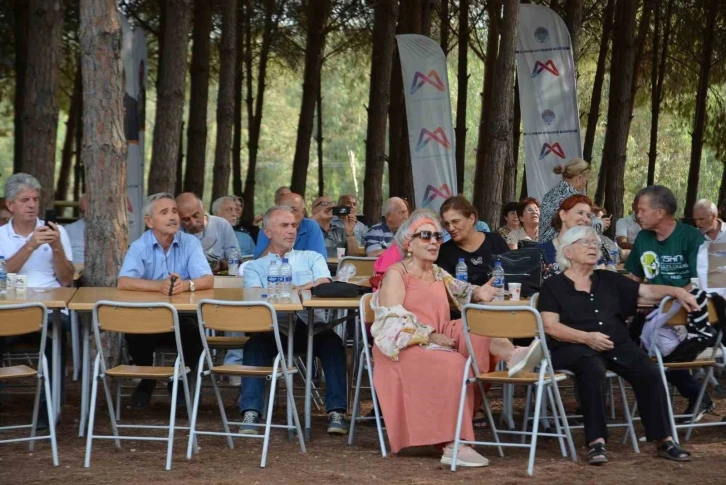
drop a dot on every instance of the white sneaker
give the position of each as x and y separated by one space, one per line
465 457
525 359
235 381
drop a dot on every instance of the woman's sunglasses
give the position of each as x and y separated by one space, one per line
426 236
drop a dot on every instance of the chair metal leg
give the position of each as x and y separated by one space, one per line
556 418
109 402
376 407
295 415
36 407
86 373
268 421
612 400
633 413
668 402
702 392
628 416
460 414
49 411
75 346
535 423
525 421
220 402
561 411
490 417
172 413
356 400
92 411
118 399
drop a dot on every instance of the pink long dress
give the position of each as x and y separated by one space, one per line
419 393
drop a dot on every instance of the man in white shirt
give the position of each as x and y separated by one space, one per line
309 269
215 234
705 215
40 250
77 233
626 230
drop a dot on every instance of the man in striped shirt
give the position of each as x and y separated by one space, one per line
379 237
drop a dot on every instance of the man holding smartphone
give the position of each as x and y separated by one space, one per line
336 236
36 248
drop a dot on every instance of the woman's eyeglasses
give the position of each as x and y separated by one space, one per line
426 236
588 243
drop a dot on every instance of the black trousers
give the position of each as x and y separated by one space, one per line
630 362
142 347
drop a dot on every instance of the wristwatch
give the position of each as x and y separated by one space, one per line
191 286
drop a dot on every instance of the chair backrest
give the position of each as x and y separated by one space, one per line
363 266
135 318
681 317
233 316
228 282
501 321
366 316
22 319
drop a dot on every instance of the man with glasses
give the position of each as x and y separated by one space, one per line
215 233
360 229
169 262
380 236
309 235
336 236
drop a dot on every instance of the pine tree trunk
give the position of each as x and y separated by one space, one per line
79 174
40 107
523 190
64 177
170 96
104 143
178 188
237 130
396 112
194 177
596 98
444 29
657 78
721 204
319 137
21 17
643 29
621 80
499 158
384 26
463 86
699 119
509 194
225 100
273 14
490 78
318 13
573 18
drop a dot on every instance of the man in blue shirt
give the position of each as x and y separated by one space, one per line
309 235
309 269
169 262
226 208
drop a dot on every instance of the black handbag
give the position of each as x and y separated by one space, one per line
522 266
339 289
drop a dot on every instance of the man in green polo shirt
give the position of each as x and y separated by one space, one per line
664 253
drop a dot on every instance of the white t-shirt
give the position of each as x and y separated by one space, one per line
628 228
77 234
217 238
721 236
39 266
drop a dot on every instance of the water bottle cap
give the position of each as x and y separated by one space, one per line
461 260
497 263
284 260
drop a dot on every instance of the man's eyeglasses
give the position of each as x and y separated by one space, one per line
426 236
324 203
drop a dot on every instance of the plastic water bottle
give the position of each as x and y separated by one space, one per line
611 261
462 273
285 279
233 258
3 275
273 277
498 283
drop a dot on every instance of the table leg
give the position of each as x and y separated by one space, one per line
57 371
309 372
74 345
290 362
85 374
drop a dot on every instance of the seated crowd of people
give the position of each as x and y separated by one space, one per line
590 315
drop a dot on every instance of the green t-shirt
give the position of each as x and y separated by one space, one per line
671 262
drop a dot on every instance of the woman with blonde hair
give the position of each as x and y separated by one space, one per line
575 174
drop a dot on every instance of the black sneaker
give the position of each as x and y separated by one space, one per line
337 423
249 423
141 396
707 406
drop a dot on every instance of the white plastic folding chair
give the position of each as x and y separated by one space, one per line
511 322
366 363
24 319
707 364
136 319
248 317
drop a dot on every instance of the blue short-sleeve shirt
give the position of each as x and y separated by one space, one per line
146 259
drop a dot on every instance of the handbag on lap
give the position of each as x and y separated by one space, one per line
523 266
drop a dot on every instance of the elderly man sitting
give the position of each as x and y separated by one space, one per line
336 236
380 236
308 269
705 215
170 262
215 233
227 208
584 312
359 229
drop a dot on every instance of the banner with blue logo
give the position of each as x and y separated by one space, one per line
548 96
430 127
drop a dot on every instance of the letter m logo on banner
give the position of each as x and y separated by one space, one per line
432 78
427 136
548 66
553 148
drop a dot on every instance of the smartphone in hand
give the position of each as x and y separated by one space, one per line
50 217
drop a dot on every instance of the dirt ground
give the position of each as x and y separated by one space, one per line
329 459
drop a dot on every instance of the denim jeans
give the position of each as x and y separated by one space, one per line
261 350
233 356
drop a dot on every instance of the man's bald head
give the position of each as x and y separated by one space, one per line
280 192
191 212
295 202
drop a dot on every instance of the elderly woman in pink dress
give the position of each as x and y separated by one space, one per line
419 351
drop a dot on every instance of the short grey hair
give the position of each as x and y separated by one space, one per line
389 205
19 182
149 202
404 233
706 204
569 238
217 204
273 209
661 197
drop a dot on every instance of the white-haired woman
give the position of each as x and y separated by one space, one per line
419 350
584 312
575 174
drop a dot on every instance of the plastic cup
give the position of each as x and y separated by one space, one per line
12 279
21 282
694 283
340 252
515 290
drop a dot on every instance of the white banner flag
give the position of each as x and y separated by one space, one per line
548 96
134 59
430 129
